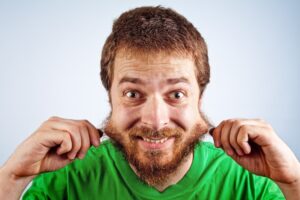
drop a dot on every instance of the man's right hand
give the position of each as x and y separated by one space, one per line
56 143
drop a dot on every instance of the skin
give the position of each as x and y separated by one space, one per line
58 141
156 91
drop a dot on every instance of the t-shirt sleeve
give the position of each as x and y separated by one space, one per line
51 185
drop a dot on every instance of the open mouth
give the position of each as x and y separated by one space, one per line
148 143
154 140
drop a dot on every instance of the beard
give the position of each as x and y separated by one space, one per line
155 167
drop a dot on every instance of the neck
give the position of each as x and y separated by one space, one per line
175 176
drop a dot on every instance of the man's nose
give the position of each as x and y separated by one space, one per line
155 113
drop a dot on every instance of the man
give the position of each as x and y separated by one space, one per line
155 68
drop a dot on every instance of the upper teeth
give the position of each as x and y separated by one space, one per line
155 141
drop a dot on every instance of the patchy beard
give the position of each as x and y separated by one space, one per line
150 165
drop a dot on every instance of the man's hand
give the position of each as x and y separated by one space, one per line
255 146
56 143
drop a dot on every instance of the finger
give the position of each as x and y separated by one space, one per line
56 123
225 137
217 135
93 133
233 137
66 144
243 138
76 141
54 138
85 142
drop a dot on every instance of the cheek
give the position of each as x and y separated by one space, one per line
124 116
187 116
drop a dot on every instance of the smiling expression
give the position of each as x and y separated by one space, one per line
155 110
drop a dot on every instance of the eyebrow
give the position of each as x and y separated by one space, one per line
131 80
178 80
140 81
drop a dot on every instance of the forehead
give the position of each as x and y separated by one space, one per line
154 67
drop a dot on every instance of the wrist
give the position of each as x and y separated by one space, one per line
291 190
11 185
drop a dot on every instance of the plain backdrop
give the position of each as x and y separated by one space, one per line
50 54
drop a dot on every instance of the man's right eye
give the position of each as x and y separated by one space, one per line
132 94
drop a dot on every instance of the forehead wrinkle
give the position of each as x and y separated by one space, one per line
149 69
136 65
160 69
169 75
150 61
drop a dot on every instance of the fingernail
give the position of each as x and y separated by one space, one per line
81 155
217 144
239 153
72 156
96 143
229 152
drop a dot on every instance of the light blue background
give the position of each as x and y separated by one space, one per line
50 53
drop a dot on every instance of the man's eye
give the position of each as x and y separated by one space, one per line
133 94
176 95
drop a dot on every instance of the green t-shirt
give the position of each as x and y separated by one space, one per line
105 174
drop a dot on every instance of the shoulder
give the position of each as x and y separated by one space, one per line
221 170
55 184
217 161
95 158
208 152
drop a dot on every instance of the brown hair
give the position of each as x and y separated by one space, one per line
155 29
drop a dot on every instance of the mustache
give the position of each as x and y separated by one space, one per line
138 132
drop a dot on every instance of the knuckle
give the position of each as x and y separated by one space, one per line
226 121
68 143
74 129
67 146
225 127
81 125
242 137
238 123
53 118
76 146
260 120
84 148
243 129
240 141
85 121
66 136
229 120
222 123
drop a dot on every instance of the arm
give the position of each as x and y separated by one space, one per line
290 190
56 143
255 146
12 186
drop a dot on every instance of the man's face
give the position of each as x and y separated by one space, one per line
155 115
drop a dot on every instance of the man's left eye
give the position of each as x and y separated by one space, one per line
176 95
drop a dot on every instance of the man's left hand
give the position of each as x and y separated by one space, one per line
254 145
